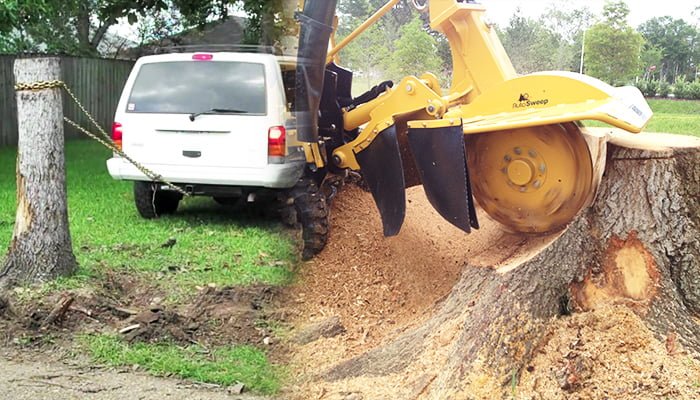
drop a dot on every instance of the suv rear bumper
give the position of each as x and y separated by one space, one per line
277 176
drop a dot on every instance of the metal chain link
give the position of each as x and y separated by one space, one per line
105 140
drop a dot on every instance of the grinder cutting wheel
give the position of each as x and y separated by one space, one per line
512 142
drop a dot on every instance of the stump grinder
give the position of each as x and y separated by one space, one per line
513 143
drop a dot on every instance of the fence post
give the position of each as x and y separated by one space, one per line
41 248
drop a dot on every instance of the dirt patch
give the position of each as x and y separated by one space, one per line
240 315
68 378
609 353
123 304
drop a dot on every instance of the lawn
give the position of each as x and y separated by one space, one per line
671 116
213 243
224 366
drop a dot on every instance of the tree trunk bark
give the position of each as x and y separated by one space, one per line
637 244
41 248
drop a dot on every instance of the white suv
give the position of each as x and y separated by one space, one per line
217 124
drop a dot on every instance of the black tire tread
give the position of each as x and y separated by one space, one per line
150 207
312 213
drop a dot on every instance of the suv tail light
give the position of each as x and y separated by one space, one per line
117 134
276 140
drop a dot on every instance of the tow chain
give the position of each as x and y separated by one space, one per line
105 140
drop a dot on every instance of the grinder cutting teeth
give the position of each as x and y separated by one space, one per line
526 162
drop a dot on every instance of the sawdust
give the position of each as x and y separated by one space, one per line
377 284
609 353
380 287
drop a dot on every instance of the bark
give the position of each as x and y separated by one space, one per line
82 25
40 248
637 244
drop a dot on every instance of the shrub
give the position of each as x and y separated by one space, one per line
694 89
663 88
681 89
648 88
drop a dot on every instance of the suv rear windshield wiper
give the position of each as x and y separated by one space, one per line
217 111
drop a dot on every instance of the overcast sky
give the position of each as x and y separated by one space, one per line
640 11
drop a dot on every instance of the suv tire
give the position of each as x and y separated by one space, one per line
152 204
309 208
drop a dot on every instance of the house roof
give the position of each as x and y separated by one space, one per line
228 31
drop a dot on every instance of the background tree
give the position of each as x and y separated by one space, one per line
613 48
650 61
416 52
368 56
77 27
71 26
375 54
530 45
157 25
568 24
679 44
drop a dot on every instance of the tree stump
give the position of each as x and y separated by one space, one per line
637 244
41 248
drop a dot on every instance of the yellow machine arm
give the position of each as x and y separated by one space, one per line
525 162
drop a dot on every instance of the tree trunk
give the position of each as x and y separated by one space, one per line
637 245
41 248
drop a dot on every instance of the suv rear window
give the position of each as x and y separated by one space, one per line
184 87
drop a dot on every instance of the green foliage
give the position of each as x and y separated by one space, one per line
214 244
368 56
615 13
224 365
653 88
663 88
415 51
155 26
372 55
530 45
66 26
681 88
650 61
77 27
678 44
613 48
351 14
648 87
264 23
695 90
567 22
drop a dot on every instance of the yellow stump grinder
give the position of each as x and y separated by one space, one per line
511 142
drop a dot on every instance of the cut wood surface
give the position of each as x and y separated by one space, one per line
478 307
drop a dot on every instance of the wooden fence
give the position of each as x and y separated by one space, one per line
96 82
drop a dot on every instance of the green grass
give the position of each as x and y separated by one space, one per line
671 116
669 106
214 244
223 366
